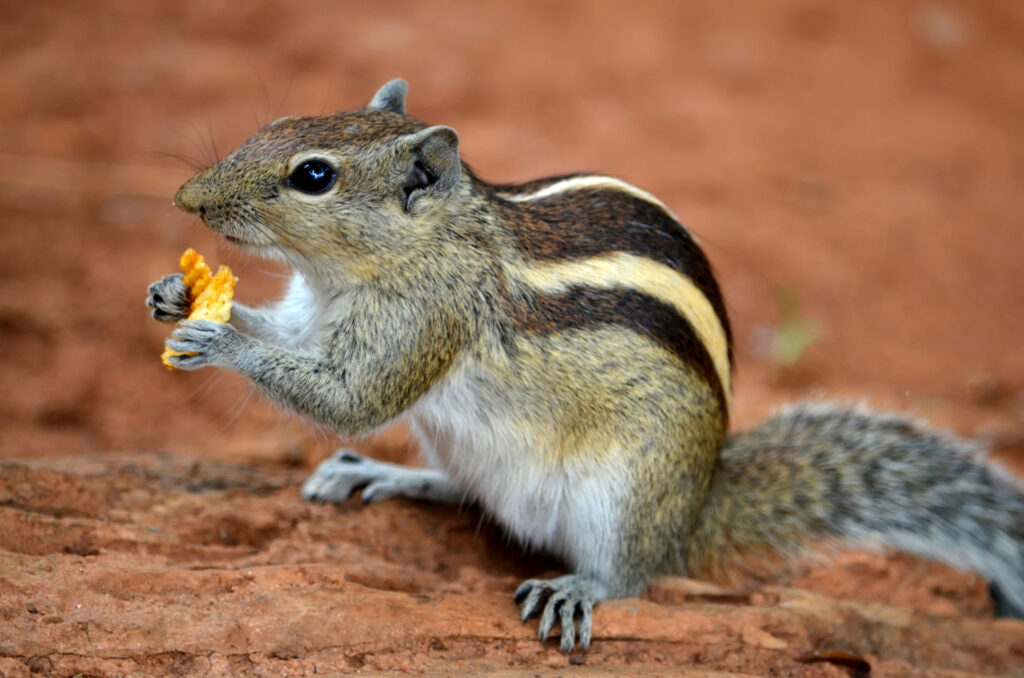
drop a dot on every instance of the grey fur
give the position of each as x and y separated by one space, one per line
564 599
391 97
168 298
205 343
345 471
863 479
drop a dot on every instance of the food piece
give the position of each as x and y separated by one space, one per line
213 302
194 268
209 295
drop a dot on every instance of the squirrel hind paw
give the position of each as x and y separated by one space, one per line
570 600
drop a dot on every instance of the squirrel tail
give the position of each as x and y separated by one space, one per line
844 475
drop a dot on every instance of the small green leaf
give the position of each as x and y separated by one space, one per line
796 332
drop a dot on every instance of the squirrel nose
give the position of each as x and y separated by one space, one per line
190 196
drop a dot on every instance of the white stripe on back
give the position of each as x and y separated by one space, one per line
593 181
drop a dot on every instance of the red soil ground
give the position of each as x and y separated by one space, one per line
866 157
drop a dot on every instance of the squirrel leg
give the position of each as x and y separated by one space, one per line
339 476
567 599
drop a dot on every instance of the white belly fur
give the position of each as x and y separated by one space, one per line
569 508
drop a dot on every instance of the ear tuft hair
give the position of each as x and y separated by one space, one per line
391 97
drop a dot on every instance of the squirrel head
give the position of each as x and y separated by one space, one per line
345 193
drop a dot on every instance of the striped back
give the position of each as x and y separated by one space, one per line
600 251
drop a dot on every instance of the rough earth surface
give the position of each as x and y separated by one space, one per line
862 160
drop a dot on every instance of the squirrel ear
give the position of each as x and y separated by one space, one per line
391 97
434 163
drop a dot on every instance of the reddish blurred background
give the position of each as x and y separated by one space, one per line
855 171
863 160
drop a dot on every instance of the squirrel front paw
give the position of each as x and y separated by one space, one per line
169 299
202 343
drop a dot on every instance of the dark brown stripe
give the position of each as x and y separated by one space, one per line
585 307
593 221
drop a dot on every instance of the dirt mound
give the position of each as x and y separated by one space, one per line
160 565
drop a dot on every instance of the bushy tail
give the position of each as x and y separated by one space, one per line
818 472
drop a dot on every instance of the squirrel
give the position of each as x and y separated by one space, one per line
561 351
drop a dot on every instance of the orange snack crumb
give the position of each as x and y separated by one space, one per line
209 295
193 268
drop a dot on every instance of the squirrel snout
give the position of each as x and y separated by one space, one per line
191 196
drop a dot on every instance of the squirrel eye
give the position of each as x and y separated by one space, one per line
312 176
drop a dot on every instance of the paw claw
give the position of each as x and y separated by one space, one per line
187 362
531 605
344 472
547 619
206 343
586 615
168 298
566 617
569 600
182 346
163 316
524 590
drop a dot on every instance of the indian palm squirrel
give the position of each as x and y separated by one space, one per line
561 350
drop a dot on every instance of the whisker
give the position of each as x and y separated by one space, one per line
236 410
213 141
196 165
203 390
255 118
266 100
327 95
288 89
199 141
